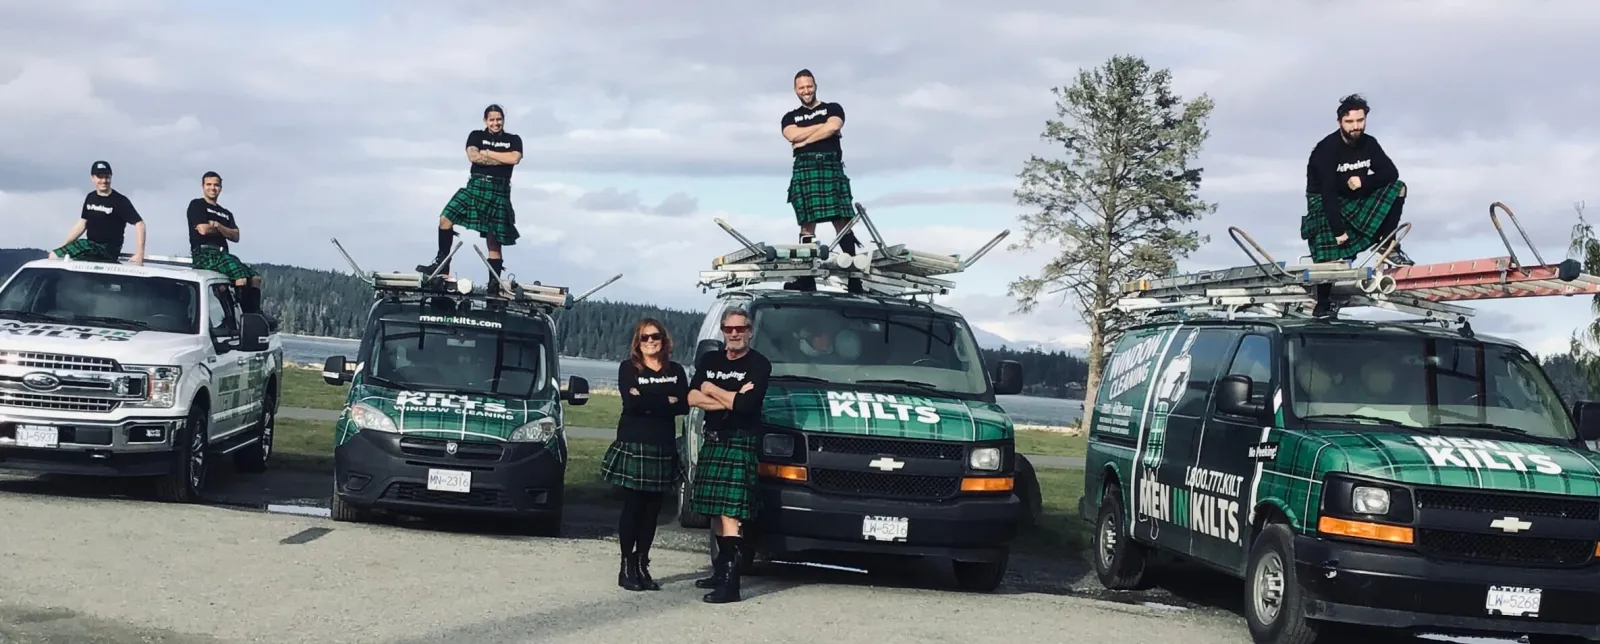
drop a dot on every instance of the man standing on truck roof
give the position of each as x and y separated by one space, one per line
729 385
819 190
100 223
1354 194
484 204
211 227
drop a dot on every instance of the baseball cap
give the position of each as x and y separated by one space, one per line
100 167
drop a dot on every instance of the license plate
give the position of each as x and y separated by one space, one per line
1513 600
884 528
37 436
449 481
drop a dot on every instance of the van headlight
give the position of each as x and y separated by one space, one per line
985 458
779 445
157 383
365 417
1366 499
539 431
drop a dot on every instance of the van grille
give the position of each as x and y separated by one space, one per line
1521 505
881 485
1504 549
885 447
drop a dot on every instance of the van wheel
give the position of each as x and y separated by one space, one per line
1028 492
340 510
687 517
981 576
1272 607
1119 561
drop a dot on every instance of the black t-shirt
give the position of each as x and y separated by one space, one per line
492 142
107 217
201 212
808 116
648 417
745 417
1333 162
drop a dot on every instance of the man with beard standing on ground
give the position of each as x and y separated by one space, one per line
1354 195
819 190
484 204
101 223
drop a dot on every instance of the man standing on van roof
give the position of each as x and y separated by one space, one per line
819 190
211 227
484 204
1354 194
100 223
729 385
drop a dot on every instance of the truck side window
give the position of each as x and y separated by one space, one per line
1254 359
221 307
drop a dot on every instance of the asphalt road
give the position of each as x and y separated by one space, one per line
303 413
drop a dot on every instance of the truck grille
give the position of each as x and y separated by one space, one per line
51 402
56 361
1504 549
933 450
876 484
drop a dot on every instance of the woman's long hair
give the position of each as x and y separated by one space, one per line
638 330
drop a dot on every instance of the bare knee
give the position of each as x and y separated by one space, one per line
255 282
241 282
444 223
1402 191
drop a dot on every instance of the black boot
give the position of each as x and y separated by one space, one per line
645 580
728 590
719 567
628 573
439 263
249 299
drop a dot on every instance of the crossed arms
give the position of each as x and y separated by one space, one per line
799 136
490 157
713 398
208 227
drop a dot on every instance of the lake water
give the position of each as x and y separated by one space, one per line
1027 410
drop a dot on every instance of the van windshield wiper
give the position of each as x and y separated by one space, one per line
96 319
32 316
795 378
1375 419
1505 429
904 383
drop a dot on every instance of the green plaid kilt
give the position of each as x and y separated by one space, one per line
819 189
725 478
1362 217
642 466
484 205
212 258
83 250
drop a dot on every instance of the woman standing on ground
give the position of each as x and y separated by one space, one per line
643 460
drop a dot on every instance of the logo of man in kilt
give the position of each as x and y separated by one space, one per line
211 227
102 223
819 190
1169 388
1354 196
484 204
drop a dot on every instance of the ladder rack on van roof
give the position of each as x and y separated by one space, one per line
890 270
415 284
178 261
1288 290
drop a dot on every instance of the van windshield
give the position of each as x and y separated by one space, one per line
1423 382
459 359
849 343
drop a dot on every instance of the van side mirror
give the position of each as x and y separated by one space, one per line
1586 416
577 391
334 371
1007 378
1233 397
253 332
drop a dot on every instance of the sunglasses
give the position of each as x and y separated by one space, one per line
650 337
730 329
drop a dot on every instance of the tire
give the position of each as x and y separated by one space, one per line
981 576
687 517
185 479
340 510
253 459
548 525
1119 562
1272 564
1028 492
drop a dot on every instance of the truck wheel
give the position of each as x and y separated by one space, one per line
1028 492
981 576
1119 562
1272 608
185 479
253 459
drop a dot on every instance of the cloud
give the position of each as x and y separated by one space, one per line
641 122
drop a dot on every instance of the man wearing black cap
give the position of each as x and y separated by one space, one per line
211 227
484 204
105 213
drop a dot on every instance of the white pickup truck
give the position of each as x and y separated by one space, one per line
124 370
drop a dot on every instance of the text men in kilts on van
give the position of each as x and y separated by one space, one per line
729 385
643 460
101 224
484 204
1354 194
819 190
211 227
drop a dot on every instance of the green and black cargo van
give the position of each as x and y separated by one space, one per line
1354 474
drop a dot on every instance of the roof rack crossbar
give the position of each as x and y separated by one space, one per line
415 284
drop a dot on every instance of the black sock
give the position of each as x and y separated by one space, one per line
445 235
250 299
847 243
628 523
498 264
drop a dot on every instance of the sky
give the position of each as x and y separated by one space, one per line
644 122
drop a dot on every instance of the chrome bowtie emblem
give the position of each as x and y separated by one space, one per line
41 381
1510 524
451 447
886 464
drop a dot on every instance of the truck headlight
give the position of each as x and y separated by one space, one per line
365 417
539 431
1369 500
985 458
160 386
779 445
